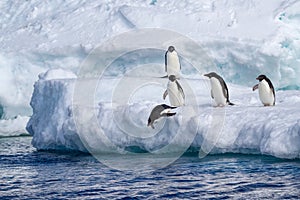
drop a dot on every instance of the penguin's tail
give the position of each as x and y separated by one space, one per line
231 104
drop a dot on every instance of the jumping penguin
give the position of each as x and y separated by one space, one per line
159 111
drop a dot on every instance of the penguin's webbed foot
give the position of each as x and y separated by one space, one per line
268 105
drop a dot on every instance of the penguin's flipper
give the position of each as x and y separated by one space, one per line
165 106
165 94
273 91
168 114
166 62
271 86
166 76
180 89
255 87
225 92
225 89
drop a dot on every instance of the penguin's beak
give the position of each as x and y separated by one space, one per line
257 78
206 75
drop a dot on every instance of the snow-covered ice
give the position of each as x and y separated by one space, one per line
247 127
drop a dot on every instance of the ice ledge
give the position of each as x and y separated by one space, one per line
247 127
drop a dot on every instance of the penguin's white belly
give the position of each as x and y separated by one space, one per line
173 65
265 93
175 96
217 92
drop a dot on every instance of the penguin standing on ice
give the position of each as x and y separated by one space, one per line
219 90
175 92
266 90
172 64
159 111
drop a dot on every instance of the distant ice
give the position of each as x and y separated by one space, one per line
57 74
13 127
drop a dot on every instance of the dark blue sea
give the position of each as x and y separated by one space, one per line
29 174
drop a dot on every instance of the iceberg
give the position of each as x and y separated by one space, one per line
244 39
121 126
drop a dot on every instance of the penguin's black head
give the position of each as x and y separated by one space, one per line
171 48
261 77
211 74
172 78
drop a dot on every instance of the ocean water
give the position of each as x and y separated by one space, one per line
29 174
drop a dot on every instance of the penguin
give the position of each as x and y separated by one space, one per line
219 90
266 90
159 111
172 64
175 92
